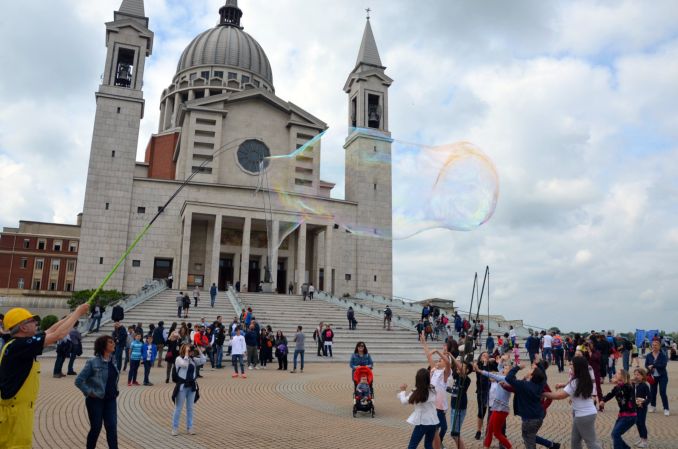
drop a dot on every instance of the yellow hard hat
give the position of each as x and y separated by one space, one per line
17 316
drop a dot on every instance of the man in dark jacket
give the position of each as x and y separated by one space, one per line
159 340
120 338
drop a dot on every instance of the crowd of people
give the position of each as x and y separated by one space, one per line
440 392
588 360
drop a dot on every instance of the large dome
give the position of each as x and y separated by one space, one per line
227 45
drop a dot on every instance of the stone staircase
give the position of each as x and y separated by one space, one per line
285 313
163 307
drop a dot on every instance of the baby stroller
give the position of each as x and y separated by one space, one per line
363 403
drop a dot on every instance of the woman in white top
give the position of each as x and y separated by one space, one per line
424 417
186 388
238 348
580 390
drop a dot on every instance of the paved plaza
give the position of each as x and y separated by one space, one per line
274 409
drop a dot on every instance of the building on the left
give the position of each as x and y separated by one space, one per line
39 258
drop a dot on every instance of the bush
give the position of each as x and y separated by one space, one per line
105 297
48 322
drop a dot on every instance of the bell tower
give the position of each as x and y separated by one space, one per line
368 167
119 110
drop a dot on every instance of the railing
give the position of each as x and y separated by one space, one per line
146 292
234 299
359 307
396 302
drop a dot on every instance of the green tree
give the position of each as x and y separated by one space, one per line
105 297
48 322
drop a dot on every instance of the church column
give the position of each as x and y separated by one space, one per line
273 263
185 250
168 113
301 256
328 260
245 263
175 113
216 251
161 123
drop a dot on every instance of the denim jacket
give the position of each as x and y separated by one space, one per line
93 377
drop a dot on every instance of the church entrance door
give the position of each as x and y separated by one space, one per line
161 268
281 283
254 275
225 272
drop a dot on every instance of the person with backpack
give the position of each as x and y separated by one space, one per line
63 350
350 316
185 304
388 315
180 303
328 338
76 348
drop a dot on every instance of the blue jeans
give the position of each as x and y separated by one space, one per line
59 363
443 424
623 424
296 353
428 433
235 359
220 355
188 396
547 354
102 411
71 362
456 420
212 299
133 369
661 382
96 320
625 360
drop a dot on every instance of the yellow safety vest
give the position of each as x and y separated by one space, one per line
16 413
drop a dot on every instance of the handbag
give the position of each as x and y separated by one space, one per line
651 380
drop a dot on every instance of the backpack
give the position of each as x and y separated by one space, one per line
328 334
445 320
388 313
466 325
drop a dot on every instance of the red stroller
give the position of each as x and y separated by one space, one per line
363 402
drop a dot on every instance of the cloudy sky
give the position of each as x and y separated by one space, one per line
575 102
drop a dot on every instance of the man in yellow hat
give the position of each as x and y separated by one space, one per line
20 372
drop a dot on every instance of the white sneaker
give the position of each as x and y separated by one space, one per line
667 413
191 431
175 432
641 443
249 367
650 409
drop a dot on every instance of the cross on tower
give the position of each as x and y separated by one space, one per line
368 10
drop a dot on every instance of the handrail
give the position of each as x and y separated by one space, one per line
358 307
146 292
234 299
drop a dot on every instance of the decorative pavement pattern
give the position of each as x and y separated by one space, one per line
274 409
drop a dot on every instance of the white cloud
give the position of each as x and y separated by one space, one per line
574 102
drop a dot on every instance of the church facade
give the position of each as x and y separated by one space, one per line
255 208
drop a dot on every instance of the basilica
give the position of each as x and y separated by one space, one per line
247 201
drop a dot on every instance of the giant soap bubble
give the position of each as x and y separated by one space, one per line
453 186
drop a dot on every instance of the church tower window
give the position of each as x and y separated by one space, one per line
124 71
373 111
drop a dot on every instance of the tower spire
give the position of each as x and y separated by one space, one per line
230 14
368 53
133 8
